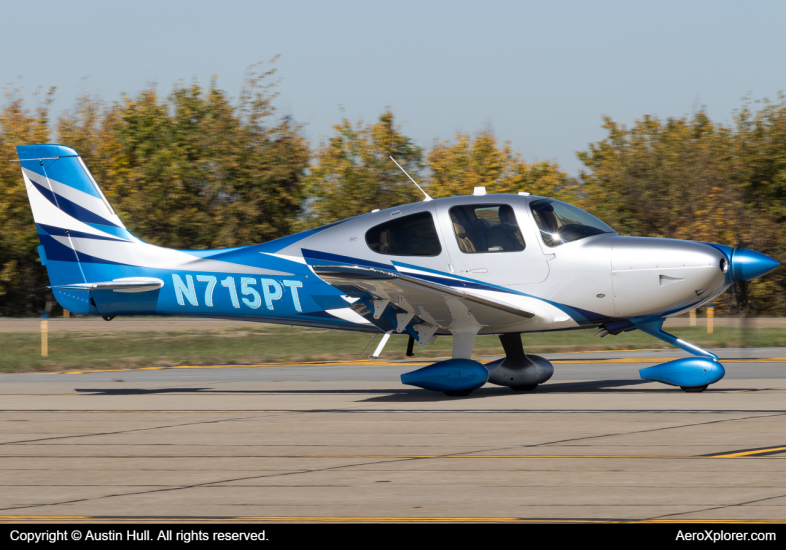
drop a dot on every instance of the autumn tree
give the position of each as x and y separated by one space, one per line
468 162
760 145
676 178
352 173
192 170
690 179
21 274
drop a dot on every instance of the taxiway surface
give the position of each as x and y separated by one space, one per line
348 442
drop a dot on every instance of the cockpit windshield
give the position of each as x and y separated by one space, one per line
561 223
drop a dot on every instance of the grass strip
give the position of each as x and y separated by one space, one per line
21 352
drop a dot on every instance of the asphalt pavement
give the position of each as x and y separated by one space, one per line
347 442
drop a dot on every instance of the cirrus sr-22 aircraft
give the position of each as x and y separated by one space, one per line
461 266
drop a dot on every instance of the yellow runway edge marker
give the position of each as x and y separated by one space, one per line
44 335
710 316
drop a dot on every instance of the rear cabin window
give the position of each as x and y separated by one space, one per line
486 228
413 235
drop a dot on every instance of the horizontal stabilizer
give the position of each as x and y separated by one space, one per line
127 284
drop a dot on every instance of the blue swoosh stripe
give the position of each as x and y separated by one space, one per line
71 208
581 316
119 232
280 244
577 314
60 232
56 251
312 256
452 279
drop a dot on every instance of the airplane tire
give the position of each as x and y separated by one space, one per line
458 393
694 389
528 387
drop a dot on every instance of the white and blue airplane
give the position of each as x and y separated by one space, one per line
462 266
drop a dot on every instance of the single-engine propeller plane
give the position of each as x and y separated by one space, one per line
461 266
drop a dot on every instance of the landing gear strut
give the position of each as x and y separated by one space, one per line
518 371
692 374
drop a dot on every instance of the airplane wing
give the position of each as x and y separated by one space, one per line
398 301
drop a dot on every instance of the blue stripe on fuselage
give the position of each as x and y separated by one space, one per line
315 256
581 316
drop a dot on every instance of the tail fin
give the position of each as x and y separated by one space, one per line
65 197
95 265
68 206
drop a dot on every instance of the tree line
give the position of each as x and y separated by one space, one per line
195 169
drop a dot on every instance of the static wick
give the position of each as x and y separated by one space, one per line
413 181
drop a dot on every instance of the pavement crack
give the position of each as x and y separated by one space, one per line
650 430
206 484
612 435
125 431
716 507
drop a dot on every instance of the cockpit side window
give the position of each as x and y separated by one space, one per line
486 228
561 223
413 235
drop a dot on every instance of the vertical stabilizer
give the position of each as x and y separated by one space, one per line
69 210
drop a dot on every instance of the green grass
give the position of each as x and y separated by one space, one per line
95 350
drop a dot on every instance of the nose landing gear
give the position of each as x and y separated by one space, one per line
691 374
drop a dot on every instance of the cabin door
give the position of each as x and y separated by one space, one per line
492 242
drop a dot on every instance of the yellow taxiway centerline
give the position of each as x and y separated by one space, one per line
752 454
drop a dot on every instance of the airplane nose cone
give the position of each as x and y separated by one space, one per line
747 265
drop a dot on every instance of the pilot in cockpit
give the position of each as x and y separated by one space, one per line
502 236
486 228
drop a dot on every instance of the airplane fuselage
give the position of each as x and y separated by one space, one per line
577 284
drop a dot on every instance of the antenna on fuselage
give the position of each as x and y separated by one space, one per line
413 181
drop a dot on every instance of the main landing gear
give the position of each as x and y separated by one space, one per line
517 370
460 376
